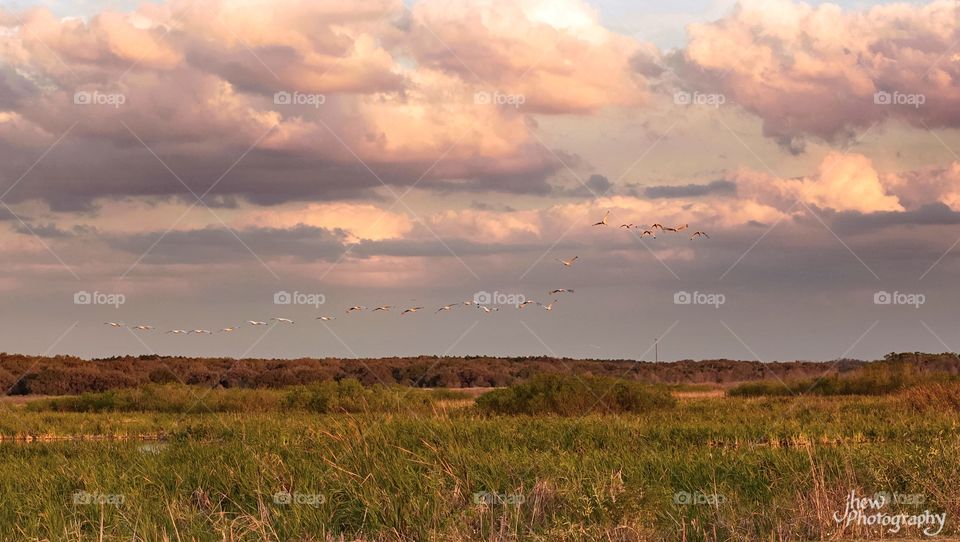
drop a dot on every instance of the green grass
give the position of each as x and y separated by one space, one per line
575 396
345 396
878 379
783 466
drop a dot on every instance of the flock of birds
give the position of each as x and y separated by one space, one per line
355 308
410 310
652 232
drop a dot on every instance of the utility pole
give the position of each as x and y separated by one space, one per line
656 349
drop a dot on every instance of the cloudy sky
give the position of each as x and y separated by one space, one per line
184 164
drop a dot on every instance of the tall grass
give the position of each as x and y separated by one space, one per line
345 396
878 379
569 395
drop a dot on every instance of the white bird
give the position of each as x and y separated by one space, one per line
411 309
560 291
567 263
355 308
114 324
383 308
681 228
655 226
178 331
326 318
228 330
447 307
604 221
469 302
548 307
525 303
628 226
282 320
201 331
143 328
256 323
699 234
648 232
668 229
488 310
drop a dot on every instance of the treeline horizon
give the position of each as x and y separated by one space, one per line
65 375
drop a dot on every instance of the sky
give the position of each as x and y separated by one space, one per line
191 165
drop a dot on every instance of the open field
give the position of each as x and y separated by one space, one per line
706 468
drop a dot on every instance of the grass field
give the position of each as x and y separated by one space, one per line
708 468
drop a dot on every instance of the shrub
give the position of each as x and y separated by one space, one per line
572 396
880 379
349 395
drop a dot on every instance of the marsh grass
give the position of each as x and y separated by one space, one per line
782 464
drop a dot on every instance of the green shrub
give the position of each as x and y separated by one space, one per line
572 396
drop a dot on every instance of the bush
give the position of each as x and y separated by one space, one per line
572 396
349 395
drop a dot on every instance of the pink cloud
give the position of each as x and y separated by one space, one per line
815 70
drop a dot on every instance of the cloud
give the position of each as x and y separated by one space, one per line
844 182
814 71
718 187
554 53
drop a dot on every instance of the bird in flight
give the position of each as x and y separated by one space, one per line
447 307
228 330
604 221
488 310
681 228
282 320
411 309
383 308
567 263
178 331
201 331
326 318
560 291
256 323
143 328
525 303
657 225
699 234
668 229
628 226
648 232
114 324
355 308
548 307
